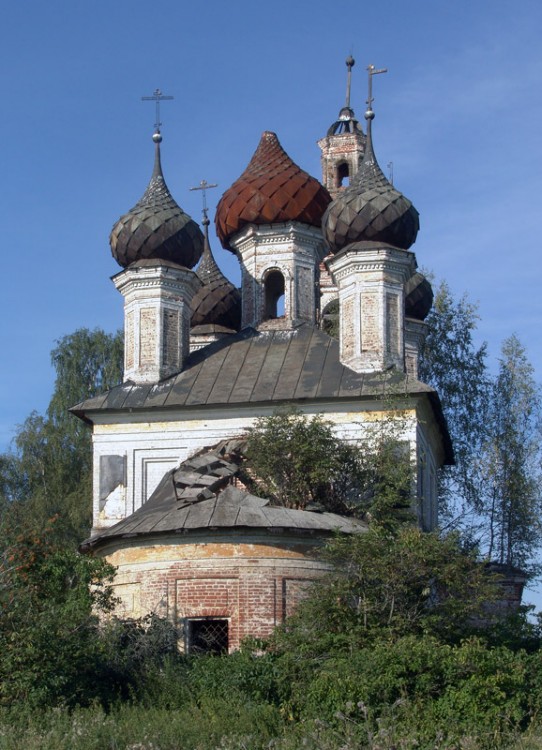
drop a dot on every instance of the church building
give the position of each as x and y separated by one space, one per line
203 360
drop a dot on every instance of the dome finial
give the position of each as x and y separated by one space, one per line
369 114
350 62
156 97
204 186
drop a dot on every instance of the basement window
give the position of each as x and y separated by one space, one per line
207 635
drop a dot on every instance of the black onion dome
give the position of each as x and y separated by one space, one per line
370 209
418 297
218 301
156 227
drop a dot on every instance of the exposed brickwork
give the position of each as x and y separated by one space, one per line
129 340
147 335
254 586
170 338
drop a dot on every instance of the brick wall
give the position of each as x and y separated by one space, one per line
254 584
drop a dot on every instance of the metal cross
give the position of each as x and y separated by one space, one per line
204 186
156 97
373 72
390 167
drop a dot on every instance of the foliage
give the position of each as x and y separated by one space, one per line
512 461
49 474
300 462
491 494
384 586
456 367
49 600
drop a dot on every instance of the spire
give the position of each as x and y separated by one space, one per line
369 157
370 174
156 227
208 270
346 122
350 62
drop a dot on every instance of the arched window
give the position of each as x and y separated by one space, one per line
274 295
343 174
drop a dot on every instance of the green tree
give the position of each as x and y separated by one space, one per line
512 461
388 585
456 367
49 473
300 462
50 598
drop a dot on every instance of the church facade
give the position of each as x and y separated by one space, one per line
204 360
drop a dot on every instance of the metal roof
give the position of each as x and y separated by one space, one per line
199 495
258 366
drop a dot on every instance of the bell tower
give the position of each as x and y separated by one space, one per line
343 146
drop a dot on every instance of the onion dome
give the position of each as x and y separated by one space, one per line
418 297
156 227
370 208
272 189
217 302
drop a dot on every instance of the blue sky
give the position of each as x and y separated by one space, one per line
459 113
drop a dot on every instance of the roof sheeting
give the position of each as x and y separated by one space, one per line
258 367
198 495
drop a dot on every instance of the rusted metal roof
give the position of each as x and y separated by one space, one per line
271 190
156 227
199 495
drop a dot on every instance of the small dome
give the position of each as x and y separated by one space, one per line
272 189
346 123
370 209
156 227
418 297
217 302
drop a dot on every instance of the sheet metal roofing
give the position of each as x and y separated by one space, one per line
198 495
262 367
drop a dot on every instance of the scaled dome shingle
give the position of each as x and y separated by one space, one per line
217 301
418 297
370 209
156 227
272 189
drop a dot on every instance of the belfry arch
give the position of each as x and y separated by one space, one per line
274 288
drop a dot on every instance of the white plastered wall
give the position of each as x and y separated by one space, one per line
153 443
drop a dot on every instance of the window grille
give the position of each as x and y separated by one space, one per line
207 636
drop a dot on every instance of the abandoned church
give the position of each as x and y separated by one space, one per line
203 360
